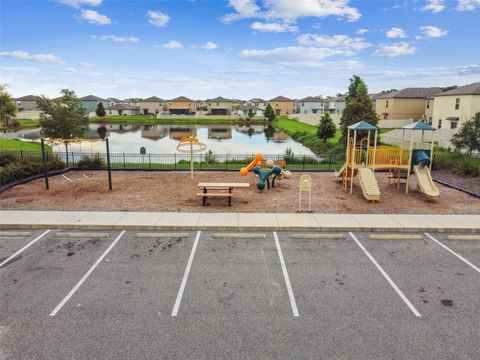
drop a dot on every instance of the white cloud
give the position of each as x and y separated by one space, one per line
93 17
209 46
434 6
274 27
292 10
172 44
362 31
79 3
468 5
157 18
23 55
394 50
115 38
20 69
335 41
433 32
298 56
87 64
395 33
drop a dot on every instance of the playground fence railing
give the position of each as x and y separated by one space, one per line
207 161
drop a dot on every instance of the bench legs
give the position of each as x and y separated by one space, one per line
204 201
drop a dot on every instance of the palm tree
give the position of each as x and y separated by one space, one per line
8 109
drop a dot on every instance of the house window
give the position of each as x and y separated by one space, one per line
428 104
430 120
457 103
156 111
386 104
439 123
453 125
218 104
303 104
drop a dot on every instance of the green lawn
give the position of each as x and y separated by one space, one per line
16 144
26 124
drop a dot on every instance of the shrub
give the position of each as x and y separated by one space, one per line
457 162
6 159
91 162
210 157
18 170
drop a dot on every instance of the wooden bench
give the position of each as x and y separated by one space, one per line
220 190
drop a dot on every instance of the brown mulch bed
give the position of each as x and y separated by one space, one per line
469 183
175 191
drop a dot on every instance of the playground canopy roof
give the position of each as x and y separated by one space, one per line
362 125
419 125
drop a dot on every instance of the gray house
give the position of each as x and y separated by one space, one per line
122 110
27 103
309 105
90 103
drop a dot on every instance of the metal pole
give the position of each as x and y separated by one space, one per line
191 160
108 165
45 165
375 151
431 153
353 159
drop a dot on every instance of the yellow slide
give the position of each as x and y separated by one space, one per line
369 184
424 181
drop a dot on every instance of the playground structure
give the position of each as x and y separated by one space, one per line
276 171
191 145
362 159
76 140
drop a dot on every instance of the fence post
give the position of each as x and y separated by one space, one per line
226 161
108 165
45 165
73 159
303 165
21 154
330 162
175 161
149 161
124 163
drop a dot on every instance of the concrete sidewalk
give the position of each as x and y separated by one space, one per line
238 221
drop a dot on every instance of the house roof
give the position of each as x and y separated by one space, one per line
182 99
91 98
419 125
122 107
152 99
411 93
28 98
257 100
114 99
470 89
310 99
362 125
220 99
341 98
281 98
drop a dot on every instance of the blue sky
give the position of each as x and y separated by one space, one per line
236 48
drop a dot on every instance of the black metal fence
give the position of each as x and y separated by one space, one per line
207 161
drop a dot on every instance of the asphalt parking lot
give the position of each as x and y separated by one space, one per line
69 294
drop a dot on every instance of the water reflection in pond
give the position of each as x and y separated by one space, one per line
162 139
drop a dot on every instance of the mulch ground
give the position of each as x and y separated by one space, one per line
469 183
175 191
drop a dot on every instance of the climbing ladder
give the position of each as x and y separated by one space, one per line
369 184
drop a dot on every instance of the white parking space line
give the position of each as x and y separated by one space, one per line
85 277
454 253
285 275
23 248
185 276
385 275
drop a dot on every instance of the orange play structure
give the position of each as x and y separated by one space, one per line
255 162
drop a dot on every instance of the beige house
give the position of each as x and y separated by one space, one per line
219 106
428 116
258 102
152 106
282 105
122 110
181 106
408 103
454 107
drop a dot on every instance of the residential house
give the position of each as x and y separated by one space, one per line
456 106
219 106
237 105
309 105
336 105
131 101
154 132
112 101
181 106
408 103
428 116
27 103
220 133
122 110
282 105
177 133
243 111
152 106
90 103
259 103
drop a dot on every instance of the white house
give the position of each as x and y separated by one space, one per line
122 110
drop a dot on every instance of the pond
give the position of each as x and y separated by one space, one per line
163 139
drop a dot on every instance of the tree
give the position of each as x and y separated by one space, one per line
64 118
352 88
100 111
250 113
326 128
468 137
8 109
358 108
269 113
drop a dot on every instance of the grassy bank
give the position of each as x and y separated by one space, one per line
17 145
26 124
146 119
307 135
